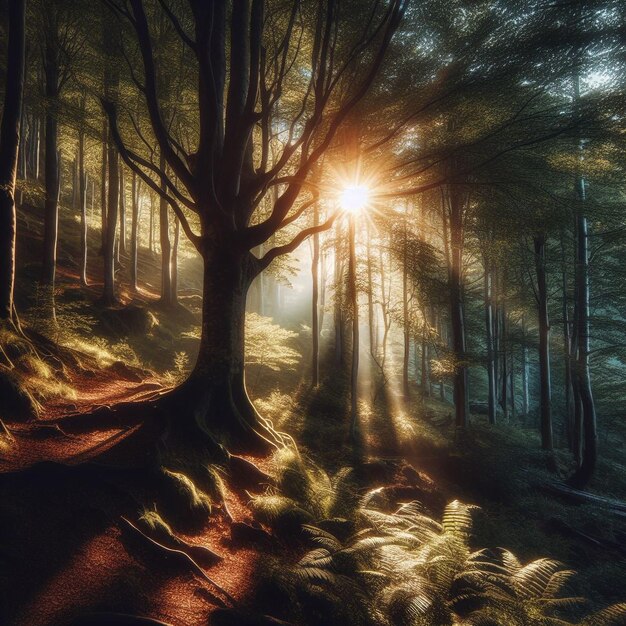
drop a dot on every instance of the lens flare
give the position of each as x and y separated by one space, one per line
354 198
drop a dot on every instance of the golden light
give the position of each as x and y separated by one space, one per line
354 198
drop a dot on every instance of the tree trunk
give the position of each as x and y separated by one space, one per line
544 343
151 237
567 356
103 187
457 317
525 377
338 311
52 171
82 201
491 374
504 359
134 233
174 288
583 376
354 306
108 295
315 331
122 237
9 142
214 396
405 315
166 248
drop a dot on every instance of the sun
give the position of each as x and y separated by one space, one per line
354 198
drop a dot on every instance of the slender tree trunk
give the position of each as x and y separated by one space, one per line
405 314
134 233
52 170
457 317
174 295
354 306
504 359
544 343
103 187
567 344
166 248
491 374
525 377
512 378
315 331
583 375
111 88
9 142
370 294
109 296
338 313
82 201
151 237
424 379
122 238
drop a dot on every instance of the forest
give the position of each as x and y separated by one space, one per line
312 312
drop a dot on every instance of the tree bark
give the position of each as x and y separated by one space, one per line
103 186
354 306
491 374
134 233
82 202
545 385
456 309
51 169
174 288
122 237
315 331
405 313
583 375
9 142
215 396
166 247
109 296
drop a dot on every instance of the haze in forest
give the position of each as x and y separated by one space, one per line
312 312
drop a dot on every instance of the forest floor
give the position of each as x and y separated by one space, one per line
67 551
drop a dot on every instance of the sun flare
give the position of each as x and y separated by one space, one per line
355 198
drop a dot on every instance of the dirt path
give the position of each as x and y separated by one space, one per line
41 440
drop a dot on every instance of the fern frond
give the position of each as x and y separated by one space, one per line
614 615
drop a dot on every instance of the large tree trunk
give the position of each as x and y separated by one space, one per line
52 171
544 343
214 396
9 142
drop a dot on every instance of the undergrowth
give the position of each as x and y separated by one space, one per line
369 565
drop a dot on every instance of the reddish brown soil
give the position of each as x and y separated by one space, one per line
66 553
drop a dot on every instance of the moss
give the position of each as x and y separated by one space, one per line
194 499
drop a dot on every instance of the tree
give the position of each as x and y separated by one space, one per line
227 176
9 142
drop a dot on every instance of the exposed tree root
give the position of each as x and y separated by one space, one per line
115 619
178 556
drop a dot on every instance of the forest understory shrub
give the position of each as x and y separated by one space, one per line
404 566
